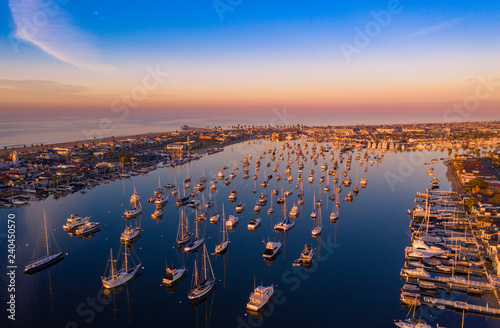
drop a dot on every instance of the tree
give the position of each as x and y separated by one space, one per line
476 183
495 200
470 202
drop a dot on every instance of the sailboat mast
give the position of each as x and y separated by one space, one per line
195 273
427 212
46 238
205 254
180 228
111 261
224 231
126 264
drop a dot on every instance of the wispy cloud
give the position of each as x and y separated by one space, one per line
435 28
38 87
47 25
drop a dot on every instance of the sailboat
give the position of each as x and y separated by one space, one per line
124 174
203 178
202 282
196 243
134 211
222 247
160 188
119 277
356 189
334 216
271 208
318 228
135 198
286 224
183 233
313 213
47 260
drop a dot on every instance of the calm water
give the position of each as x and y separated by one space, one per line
353 283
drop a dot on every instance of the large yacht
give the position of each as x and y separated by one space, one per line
74 221
87 228
260 296
232 221
173 275
306 256
272 249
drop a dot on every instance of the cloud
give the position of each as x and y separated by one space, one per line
435 28
38 87
46 24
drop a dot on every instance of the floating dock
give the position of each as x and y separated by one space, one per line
458 305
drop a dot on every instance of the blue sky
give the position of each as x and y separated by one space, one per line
261 56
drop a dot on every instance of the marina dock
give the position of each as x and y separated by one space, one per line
458 305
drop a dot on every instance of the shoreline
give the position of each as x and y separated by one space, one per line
76 143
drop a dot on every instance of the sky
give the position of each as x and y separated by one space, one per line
129 64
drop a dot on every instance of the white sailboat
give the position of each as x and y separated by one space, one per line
135 198
286 224
159 191
45 261
316 231
121 276
216 216
183 233
196 243
222 247
203 280
270 210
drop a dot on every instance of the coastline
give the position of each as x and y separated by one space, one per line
76 143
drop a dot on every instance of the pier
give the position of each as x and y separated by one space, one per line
458 305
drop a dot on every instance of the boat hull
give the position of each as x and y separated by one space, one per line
199 292
194 246
124 277
44 263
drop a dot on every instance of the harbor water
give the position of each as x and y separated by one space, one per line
354 280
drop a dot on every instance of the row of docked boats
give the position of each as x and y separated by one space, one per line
443 253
